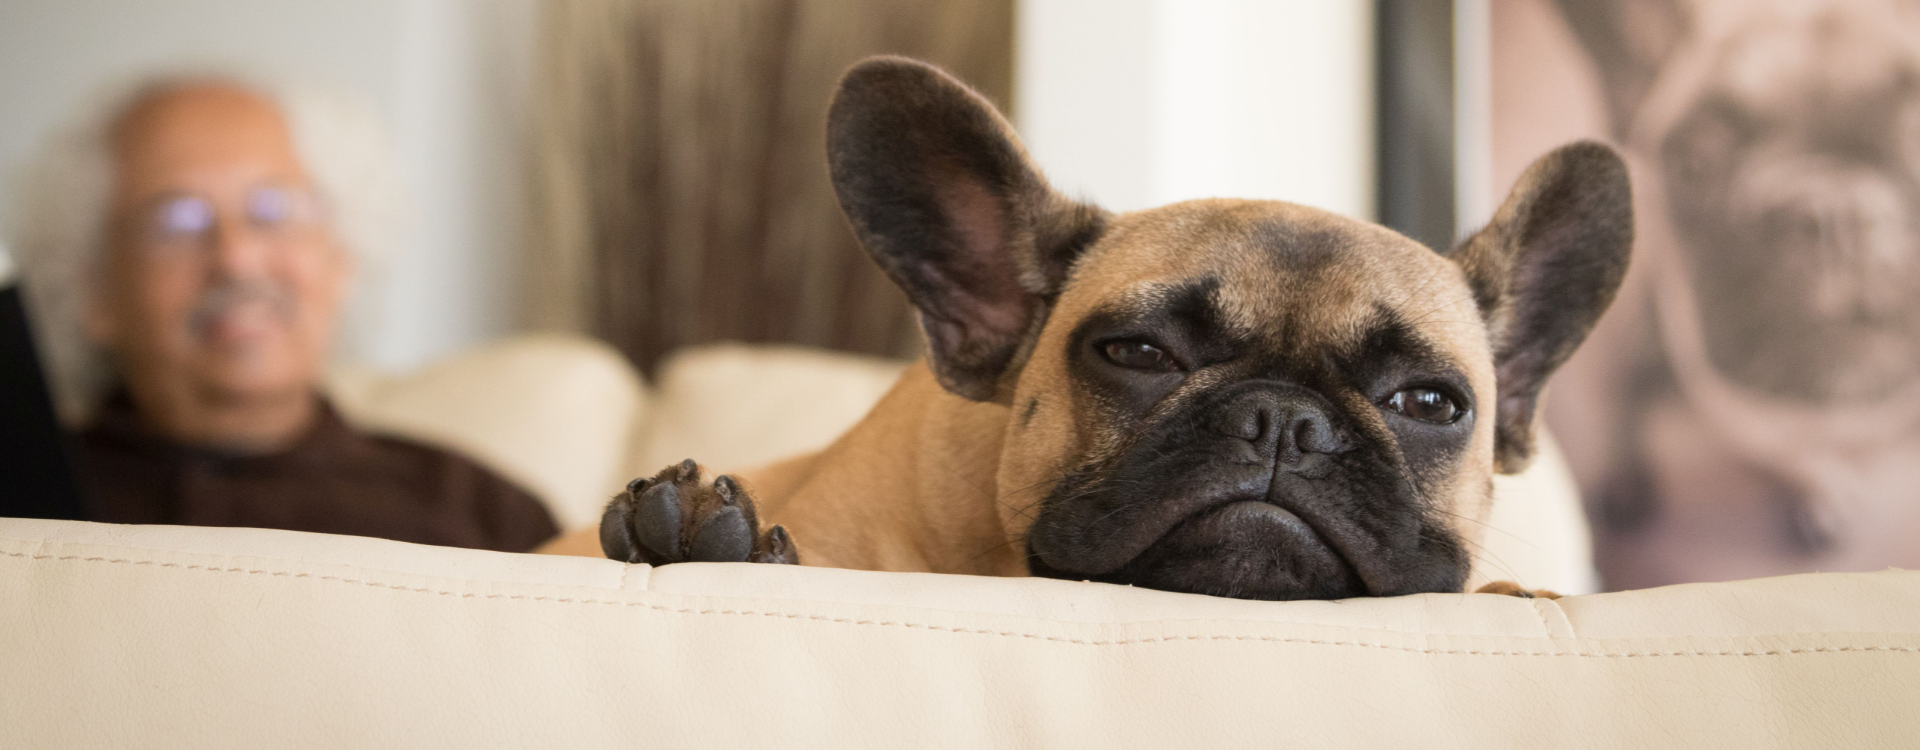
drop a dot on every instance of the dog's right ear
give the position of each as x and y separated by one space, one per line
945 199
1542 272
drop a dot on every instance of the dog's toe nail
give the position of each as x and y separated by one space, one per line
687 470
723 538
726 488
637 486
658 519
779 549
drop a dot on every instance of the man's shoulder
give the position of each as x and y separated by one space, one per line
418 456
515 518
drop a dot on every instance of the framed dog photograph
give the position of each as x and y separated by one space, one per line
1751 404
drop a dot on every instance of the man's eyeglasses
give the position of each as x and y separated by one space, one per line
186 221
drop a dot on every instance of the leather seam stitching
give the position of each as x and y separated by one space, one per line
944 628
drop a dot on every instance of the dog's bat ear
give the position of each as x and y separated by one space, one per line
1542 272
943 196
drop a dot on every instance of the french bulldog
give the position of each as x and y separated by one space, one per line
1241 398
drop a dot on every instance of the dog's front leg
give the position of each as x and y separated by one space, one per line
674 517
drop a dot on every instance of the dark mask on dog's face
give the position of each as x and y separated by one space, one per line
1241 398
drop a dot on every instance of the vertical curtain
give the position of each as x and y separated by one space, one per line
682 192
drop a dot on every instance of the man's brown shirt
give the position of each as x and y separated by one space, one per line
335 480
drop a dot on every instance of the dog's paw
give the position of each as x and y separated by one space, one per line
1509 588
675 517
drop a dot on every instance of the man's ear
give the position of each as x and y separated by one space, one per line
1542 272
946 200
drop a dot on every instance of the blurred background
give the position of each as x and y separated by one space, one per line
614 166
650 173
447 81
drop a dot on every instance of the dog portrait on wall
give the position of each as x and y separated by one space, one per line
1753 407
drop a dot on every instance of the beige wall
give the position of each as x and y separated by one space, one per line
1136 103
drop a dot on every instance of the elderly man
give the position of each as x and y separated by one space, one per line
213 290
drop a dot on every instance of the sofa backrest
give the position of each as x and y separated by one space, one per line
159 636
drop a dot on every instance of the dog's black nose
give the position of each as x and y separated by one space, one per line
1292 425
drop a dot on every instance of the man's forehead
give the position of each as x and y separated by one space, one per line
200 127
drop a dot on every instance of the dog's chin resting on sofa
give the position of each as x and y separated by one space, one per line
1242 398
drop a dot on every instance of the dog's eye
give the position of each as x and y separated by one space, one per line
1139 355
1426 405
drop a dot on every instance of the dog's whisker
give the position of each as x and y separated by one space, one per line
1484 553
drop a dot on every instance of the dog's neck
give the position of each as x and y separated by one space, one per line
910 488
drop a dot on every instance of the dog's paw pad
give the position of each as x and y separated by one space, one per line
724 537
656 517
674 516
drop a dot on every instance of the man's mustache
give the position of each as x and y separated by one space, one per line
227 295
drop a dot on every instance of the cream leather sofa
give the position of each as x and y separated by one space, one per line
122 636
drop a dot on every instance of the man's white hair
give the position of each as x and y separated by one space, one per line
62 210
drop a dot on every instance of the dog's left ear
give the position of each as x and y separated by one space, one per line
1542 272
946 200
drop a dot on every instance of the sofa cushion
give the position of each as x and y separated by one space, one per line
737 406
182 637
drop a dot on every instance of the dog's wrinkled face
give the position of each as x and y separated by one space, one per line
1241 398
1254 399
